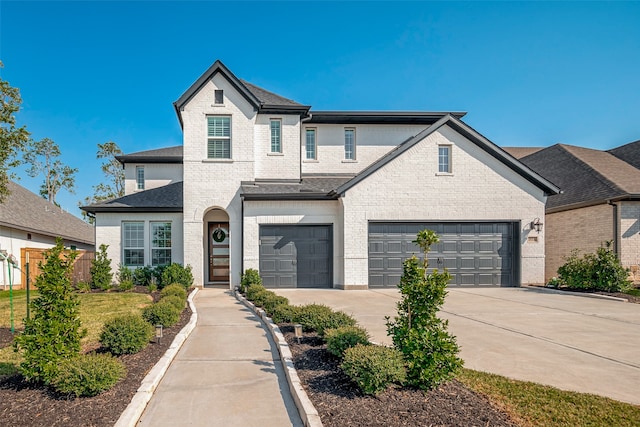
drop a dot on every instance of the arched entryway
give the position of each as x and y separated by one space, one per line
217 244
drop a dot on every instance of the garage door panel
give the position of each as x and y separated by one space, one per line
474 253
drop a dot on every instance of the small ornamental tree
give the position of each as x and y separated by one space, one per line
101 274
52 334
430 352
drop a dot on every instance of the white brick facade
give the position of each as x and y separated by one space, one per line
155 175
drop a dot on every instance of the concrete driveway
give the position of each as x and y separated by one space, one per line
570 342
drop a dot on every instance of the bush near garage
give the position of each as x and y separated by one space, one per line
601 271
373 367
340 339
319 317
272 301
285 313
250 277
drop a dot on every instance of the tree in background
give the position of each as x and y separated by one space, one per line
12 138
114 174
43 157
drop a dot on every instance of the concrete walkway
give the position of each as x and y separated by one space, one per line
227 373
570 342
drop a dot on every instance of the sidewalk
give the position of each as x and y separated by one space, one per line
227 373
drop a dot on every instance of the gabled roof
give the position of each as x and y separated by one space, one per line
630 153
520 152
586 176
469 133
161 155
29 212
162 199
262 100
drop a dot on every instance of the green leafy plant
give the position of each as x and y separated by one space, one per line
340 339
601 271
261 296
142 276
254 289
126 334
161 313
125 285
176 273
53 333
175 289
285 313
101 274
174 300
124 273
373 368
88 374
430 352
272 301
319 317
250 277
83 287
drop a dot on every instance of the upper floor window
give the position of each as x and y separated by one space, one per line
276 136
140 177
311 144
133 244
219 137
219 96
350 144
444 158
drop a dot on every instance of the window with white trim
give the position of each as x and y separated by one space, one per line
218 137
350 144
310 143
160 243
140 177
133 244
444 159
276 136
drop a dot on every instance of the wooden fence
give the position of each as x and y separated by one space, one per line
81 265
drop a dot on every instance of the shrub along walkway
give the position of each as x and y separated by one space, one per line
227 373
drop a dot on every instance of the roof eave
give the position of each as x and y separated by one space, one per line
301 110
148 159
119 209
47 233
288 196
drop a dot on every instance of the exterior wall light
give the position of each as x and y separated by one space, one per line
298 331
159 333
536 225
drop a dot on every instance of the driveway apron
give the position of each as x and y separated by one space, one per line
228 373
570 342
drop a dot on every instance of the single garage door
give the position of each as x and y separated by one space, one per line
296 256
474 253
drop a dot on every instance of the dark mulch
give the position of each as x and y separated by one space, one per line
341 404
24 404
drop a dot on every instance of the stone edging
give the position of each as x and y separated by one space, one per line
307 411
133 412
577 294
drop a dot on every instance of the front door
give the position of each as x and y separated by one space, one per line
219 252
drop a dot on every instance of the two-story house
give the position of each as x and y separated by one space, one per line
323 198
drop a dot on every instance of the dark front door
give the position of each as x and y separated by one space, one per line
219 252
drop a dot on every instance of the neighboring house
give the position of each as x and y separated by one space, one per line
29 221
600 201
323 198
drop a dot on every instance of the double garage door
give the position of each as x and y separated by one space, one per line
474 253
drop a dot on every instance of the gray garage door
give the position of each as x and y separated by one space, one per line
474 253
296 256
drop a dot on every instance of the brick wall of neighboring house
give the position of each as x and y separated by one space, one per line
629 237
409 188
584 229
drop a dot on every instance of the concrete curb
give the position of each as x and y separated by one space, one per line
307 411
577 294
133 412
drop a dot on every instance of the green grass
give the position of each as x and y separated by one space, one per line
95 309
533 404
634 292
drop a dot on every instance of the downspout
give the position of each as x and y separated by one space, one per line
616 240
241 235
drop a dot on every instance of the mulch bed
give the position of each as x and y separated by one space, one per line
25 404
340 403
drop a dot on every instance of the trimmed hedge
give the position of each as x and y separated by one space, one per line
88 374
126 334
285 313
250 277
176 301
161 313
174 289
373 368
319 317
272 301
340 339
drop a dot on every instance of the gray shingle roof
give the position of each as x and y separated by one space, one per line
630 153
29 212
270 98
520 152
310 188
162 199
586 176
160 155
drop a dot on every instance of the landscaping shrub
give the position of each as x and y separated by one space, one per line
126 334
340 339
373 368
142 276
125 285
88 374
52 334
124 273
83 287
260 296
176 301
101 274
429 350
285 313
250 277
254 289
176 273
318 317
161 313
175 289
601 271
272 301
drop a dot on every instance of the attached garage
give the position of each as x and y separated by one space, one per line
475 253
296 256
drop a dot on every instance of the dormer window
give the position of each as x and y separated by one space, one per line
219 96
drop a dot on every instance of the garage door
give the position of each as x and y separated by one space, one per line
296 256
474 253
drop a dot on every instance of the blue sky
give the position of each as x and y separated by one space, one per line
528 74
